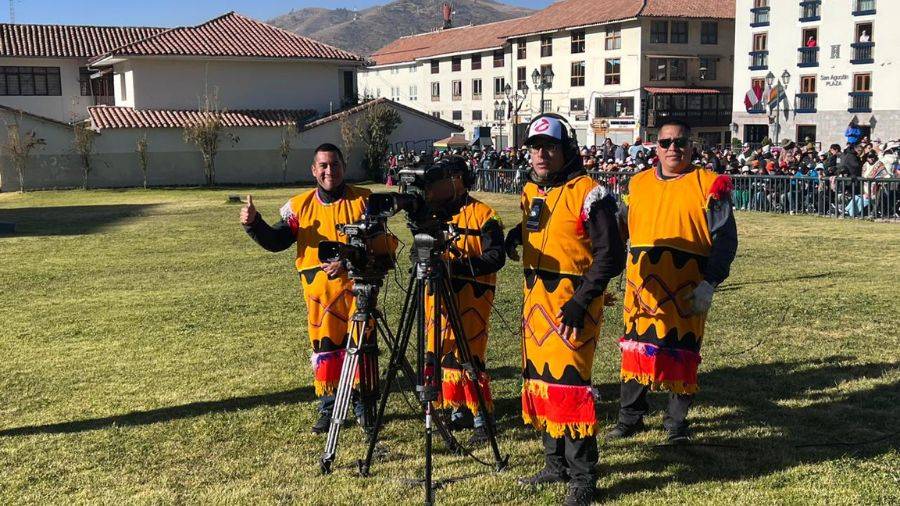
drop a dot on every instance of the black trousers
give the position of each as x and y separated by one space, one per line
633 406
575 457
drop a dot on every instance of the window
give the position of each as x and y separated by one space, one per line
499 84
658 69
679 32
435 91
476 88
576 104
709 32
707 68
864 32
103 85
677 70
806 134
499 114
760 41
395 93
809 10
578 41
862 83
457 115
613 71
435 66
577 73
615 107
521 49
760 4
476 115
547 105
413 93
476 62
498 58
759 57
455 64
613 37
760 12
456 90
395 70
544 70
436 114
807 84
124 88
521 78
864 7
659 32
413 69
835 51
546 46
28 81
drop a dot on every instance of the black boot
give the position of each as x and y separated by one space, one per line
580 495
545 475
625 431
322 424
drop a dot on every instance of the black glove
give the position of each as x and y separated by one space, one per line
573 314
512 242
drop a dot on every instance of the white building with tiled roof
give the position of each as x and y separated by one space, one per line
619 66
152 83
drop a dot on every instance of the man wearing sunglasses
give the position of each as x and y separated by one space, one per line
683 239
571 249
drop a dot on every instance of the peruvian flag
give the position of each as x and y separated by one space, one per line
753 97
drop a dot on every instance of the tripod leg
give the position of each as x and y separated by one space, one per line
398 356
465 353
343 394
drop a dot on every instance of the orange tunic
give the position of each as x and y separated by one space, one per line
474 299
329 302
670 242
557 396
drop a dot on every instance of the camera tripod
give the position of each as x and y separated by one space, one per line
430 276
361 366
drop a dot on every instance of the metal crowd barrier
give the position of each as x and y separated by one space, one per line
836 197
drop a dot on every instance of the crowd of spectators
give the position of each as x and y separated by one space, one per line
801 177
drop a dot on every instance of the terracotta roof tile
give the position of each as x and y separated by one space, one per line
711 9
126 117
365 105
67 41
558 16
231 35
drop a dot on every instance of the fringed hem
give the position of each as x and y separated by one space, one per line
559 409
575 430
677 387
457 390
325 387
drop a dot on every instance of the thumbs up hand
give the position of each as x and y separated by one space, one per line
248 212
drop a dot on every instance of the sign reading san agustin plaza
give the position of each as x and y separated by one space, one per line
834 79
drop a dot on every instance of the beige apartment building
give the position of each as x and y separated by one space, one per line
836 60
619 68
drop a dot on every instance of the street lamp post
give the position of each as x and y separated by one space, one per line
499 112
770 81
542 80
515 100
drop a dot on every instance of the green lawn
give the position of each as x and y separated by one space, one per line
153 353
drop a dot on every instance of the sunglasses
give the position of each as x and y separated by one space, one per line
680 142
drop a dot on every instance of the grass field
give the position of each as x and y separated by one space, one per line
151 353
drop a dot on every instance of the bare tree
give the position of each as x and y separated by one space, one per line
143 155
84 145
205 133
18 148
284 149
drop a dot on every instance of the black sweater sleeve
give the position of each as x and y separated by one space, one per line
723 229
492 255
607 249
277 238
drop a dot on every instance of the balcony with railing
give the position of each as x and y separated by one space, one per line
860 101
864 7
805 102
760 16
810 10
759 60
809 57
863 52
759 108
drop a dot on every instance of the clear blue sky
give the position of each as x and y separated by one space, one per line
174 12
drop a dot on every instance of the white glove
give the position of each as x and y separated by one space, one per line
701 298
